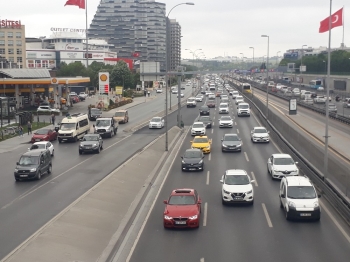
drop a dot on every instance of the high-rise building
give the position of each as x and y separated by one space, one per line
174 45
12 44
136 29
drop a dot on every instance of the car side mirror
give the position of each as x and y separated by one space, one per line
296 163
222 139
17 163
252 181
319 195
191 141
182 157
199 201
268 132
221 181
283 196
165 201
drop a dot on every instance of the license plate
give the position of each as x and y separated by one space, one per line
305 215
180 222
238 198
192 169
23 175
37 140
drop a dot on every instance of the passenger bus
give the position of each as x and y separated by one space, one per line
246 88
315 84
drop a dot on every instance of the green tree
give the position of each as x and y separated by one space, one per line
121 76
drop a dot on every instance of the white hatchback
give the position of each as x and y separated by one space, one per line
43 145
156 122
281 165
198 129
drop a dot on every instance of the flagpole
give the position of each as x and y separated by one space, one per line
327 97
343 45
86 35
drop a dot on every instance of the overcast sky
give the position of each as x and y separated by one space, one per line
217 27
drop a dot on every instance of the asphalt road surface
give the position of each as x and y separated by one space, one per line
238 233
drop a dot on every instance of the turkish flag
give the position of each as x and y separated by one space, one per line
135 54
336 20
80 3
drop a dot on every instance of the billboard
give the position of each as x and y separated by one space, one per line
118 90
149 67
103 82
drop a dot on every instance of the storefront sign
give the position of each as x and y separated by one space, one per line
71 30
10 23
70 47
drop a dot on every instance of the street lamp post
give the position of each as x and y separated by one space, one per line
253 54
242 59
267 75
166 73
301 64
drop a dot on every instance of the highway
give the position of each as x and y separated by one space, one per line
238 233
27 206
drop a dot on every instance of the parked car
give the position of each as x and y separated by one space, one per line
47 109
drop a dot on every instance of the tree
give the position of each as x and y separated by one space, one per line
121 76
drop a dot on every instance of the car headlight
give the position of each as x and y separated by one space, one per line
183 162
16 170
94 145
316 204
208 147
33 170
167 217
291 204
193 217
226 192
200 162
80 145
224 145
250 191
239 145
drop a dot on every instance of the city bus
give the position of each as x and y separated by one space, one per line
315 84
246 88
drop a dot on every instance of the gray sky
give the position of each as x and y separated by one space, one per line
217 27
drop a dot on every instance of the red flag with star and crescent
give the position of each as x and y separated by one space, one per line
79 3
336 20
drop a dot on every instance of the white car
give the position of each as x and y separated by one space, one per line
83 94
308 101
181 95
191 102
73 94
235 94
237 187
159 90
223 108
320 99
198 129
260 134
296 92
281 165
199 98
225 121
279 86
43 145
243 109
47 109
239 99
174 91
156 122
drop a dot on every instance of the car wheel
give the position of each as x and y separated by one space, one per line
75 139
281 205
80 152
317 219
102 146
110 134
38 177
251 203
53 152
59 141
223 202
98 150
49 171
286 214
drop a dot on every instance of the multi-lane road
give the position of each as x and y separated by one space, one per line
27 206
243 233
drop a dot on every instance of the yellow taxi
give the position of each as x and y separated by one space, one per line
202 142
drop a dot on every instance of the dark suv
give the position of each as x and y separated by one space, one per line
192 160
94 113
33 164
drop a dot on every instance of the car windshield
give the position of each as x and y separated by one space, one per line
67 126
193 154
225 118
223 105
156 119
200 140
41 132
204 119
237 180
28 160
211 98
283 161
95 111
37 146
301 192
198 125
117 114
231 138
234 92
239 97
90 138
103 122
181 200
260 130
190 100
243 106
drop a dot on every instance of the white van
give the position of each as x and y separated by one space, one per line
73 127
243 109
212 87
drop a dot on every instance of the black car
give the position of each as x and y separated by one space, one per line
204 111
313 94
192 160
33 164
94 113
231 142
206 120
91 143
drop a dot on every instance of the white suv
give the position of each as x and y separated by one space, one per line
191 102
281 165
237 187
243 109
299 199
223 108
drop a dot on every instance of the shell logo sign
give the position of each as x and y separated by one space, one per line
54 81
103 82
103 77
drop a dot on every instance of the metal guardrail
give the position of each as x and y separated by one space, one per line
336 198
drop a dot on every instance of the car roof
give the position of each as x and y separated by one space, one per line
193 150
259 127
35 152
121 110
201 136
236 172
183 191
281 156
298 181
231 134
91 134
41 143
198 122
156 117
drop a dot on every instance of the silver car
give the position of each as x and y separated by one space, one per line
260 134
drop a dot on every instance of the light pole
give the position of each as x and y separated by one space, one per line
277 57
242 59
301 64
253 53
193 54
267 75
166 72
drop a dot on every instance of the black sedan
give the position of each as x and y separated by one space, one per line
204 111
94 113
231 142
206 121
192 160
91 143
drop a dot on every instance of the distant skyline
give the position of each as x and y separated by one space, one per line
221 27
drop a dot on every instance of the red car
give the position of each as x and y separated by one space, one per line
183 209
211 103
45 134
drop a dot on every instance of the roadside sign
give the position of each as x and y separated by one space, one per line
118 90
103 82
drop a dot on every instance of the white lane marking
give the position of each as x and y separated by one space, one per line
267 215
212 131
205 214
341 229
246 156
209 158
208 174
212 125
201 260
253 176
237 131
235 123
154 202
